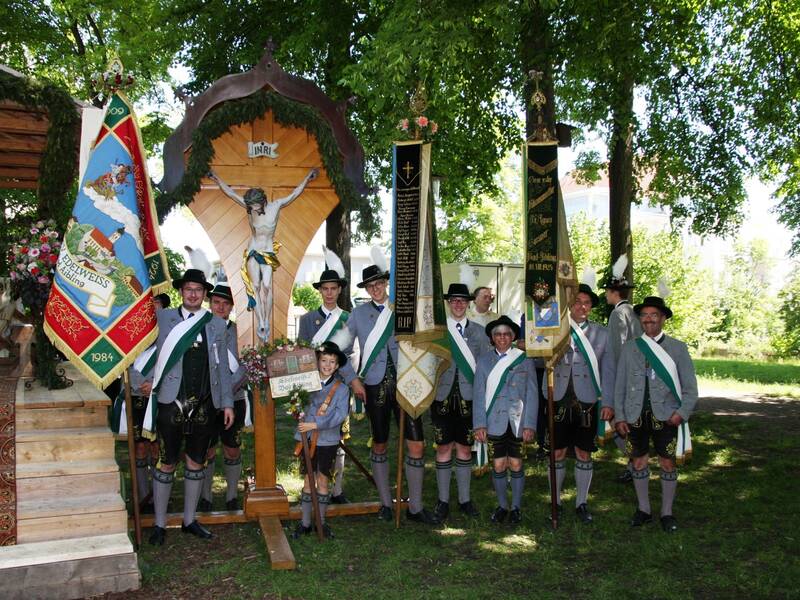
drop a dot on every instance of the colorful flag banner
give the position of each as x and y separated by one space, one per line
100 312
420 323
549 267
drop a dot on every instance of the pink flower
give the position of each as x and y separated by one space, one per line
403 125
434 127
33 252
21 267
43 280
45 248
34 231
13 275
54 234
40 224
23 241
422 121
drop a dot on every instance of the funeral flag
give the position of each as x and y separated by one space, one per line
100 312
549 267
420 323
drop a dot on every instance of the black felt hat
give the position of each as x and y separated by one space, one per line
164 299
222 290
503 320
585 289
458 290
372 273
192 276
331 348
329 276
653 302
617 283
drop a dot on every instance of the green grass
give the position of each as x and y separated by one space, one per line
779 378
733 504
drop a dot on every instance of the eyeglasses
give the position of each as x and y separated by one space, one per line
372 285
193 290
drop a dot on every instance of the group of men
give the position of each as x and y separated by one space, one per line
629 374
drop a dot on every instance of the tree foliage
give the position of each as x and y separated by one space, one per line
787 341
306 296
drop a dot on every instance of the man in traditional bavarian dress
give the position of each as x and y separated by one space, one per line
505 412
584 376
655 393
321 424
221 304
481 310
451 411
318 326
623 325
191 382
372 323
146 451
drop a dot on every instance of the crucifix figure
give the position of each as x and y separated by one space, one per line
260 258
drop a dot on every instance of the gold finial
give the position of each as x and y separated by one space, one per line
419 100
113 78
538 100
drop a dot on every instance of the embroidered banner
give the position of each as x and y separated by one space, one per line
8 480
100 312
549 267
423 349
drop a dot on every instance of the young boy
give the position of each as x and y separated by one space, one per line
321 424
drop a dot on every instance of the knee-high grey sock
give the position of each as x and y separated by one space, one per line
192 486
444 470
583 479
338 472
641 480
162 488
208 479
233 471
380 471
499 481
305 509
561 473
463 479
517 487
415 469
324 501
669 484
142 483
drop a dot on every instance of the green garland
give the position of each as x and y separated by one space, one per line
246 110
59 163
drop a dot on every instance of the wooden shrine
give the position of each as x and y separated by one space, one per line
263 128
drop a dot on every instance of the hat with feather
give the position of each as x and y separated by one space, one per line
656 301
378 270
617 279
334 270
587 285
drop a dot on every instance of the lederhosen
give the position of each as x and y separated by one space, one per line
664 435
574 422
139 408
231 437
452 418
191 417
382 401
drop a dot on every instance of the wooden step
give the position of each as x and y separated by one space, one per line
61 418
69 444
79 484
81 393
74 568
62 518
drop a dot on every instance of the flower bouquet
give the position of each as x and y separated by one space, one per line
418 128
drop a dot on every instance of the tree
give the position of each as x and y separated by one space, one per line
306 296
787 342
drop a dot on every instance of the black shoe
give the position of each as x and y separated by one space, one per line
196 529
514 517
640 518
158 535
669 524
468 508
441 510
326 531
583 514
499 515
424 516
232 504
204 505
385 513
300 531
625 477
340 499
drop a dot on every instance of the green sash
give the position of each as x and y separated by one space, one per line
461 353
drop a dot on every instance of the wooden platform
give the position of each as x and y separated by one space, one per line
71 520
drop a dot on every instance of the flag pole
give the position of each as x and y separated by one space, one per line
312 484
552 453
399 489
137 519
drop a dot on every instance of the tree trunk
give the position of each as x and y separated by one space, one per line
620 179
536 54
337 239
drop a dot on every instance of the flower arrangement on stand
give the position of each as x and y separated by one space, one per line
32 268
418 128
298 398
254 360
